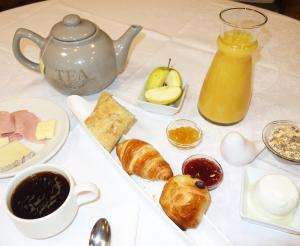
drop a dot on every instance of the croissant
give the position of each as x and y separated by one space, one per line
142 159
185 199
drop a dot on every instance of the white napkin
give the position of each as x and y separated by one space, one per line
124 219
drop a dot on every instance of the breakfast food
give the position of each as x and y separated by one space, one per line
16 126
7 125
19 124
185 199
4 141
184 134
109 121
47 192
276 194
164 95
164 85
45 130
205 168
142 159
14 154
285 141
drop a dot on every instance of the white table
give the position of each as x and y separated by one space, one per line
184 30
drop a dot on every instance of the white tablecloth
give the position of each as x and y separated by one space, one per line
184 30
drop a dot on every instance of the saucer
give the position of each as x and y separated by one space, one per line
248 211
159 108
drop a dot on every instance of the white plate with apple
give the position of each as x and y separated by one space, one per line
164 91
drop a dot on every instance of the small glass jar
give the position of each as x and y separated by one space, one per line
205 168
184 134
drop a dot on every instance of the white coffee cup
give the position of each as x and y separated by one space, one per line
63 216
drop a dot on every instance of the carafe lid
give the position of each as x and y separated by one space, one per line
73 28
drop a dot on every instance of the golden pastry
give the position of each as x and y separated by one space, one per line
142 159
109 121
185 199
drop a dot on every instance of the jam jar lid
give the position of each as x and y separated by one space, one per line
73 28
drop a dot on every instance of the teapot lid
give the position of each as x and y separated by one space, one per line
73 28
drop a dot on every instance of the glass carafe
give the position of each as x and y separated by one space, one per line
226 92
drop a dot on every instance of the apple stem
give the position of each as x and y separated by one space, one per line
165 84
169 63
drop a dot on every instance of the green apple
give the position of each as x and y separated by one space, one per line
157 77
163 76
173 78
164 85
163 95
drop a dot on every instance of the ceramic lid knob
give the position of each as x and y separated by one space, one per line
73 28
71 20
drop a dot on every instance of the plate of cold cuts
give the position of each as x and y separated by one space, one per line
31 132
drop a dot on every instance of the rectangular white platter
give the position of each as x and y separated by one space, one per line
149 128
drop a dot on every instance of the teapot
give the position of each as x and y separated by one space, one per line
77 57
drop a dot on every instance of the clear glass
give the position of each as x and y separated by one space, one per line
188 125
208 172
226 92
288 138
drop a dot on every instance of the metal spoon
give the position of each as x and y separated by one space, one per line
100 234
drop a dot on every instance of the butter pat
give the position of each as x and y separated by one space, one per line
13 154
276 194
45 129
3 141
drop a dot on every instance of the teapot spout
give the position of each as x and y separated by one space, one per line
122 45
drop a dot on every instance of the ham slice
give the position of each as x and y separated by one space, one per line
7 124
18 125
25 125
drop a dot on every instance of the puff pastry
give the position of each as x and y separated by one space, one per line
109 121
142 159
185 199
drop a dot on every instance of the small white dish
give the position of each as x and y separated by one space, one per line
159 108
250 212
44 110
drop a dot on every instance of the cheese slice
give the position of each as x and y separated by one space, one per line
14 154
4 141
45 129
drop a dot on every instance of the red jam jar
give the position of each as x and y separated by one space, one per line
205 168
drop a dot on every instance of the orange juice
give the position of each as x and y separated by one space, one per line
226 91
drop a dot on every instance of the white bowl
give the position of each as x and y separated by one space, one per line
159 108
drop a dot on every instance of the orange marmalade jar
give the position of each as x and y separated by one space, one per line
184 134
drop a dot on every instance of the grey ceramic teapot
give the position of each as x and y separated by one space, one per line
77 57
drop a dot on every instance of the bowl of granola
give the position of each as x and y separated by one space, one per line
282 138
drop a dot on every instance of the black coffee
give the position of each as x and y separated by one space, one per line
39 195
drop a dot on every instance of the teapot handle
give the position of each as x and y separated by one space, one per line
25 33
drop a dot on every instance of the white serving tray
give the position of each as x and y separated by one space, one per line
289 224
206 233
